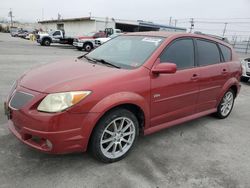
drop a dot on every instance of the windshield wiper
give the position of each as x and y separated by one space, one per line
106 63
89 59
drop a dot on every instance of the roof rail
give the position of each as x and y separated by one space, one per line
224 39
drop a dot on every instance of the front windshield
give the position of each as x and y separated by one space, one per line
127 51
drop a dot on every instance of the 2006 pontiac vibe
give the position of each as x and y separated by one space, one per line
135 83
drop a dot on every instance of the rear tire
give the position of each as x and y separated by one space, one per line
226 105
244 79
114 136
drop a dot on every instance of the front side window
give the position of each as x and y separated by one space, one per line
208 53
57 33
226 52
127 51
180 52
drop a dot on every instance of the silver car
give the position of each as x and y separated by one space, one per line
245 70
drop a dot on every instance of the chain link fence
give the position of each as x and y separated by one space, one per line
241 46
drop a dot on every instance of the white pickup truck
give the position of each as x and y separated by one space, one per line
245 70
58 36
100 41
87 42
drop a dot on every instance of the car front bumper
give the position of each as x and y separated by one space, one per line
55 133
246 69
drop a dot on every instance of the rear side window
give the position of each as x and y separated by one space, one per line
208 53
181 52
226 52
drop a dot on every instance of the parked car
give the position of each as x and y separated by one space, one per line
58 36
245 70
22 33
87 42
14 32
100 41
135 83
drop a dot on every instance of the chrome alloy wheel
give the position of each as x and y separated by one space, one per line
227 104
118 137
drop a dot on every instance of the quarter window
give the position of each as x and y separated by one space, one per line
226 53
181 52
208 53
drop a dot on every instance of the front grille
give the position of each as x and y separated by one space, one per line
19 99
98 42
248 65
248 73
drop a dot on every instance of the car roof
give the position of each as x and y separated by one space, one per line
166 34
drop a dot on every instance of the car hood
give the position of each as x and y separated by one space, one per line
85 37
103 39
43 34
71 75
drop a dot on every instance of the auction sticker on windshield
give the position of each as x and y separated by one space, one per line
152 39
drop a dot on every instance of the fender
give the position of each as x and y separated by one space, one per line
231 82
120 98
110 102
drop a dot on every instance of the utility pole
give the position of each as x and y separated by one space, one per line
175 22
11 17
59 16
225 28
170 21
191 25
248 43
42 14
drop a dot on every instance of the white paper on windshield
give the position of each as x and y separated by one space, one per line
152 39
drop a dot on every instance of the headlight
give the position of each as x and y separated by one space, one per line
58 102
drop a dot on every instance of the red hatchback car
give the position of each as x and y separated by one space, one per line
135 83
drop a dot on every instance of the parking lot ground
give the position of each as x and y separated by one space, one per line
206 152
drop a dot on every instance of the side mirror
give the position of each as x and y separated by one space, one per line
164 68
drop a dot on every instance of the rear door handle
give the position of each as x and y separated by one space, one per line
195 77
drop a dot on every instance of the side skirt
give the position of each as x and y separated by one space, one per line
154 129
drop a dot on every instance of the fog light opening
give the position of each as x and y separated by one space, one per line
49 144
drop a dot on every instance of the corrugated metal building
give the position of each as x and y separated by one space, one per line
79 26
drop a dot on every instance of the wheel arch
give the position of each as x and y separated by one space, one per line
233 84
89 42
130 101
44 38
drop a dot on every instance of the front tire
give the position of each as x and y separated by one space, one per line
115 135
87 47
226 105
46 42
244 79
